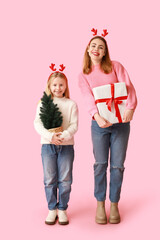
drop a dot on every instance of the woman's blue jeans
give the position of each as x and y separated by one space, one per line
115 139
57 167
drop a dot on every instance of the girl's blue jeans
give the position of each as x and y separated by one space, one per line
57 163
115 139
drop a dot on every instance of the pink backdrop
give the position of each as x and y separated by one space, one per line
36 33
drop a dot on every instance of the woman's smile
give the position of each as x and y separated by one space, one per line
95 53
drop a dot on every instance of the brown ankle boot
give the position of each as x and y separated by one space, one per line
101 217
114 213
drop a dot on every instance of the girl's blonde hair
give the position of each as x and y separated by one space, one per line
52 77
106 64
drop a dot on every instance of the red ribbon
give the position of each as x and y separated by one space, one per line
116 101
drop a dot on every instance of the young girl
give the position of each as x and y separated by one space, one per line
57 149
99 70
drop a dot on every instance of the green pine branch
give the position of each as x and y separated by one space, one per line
50 115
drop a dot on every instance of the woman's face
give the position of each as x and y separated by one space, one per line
58 87
96 50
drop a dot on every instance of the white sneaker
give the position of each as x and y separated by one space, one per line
63 219
51 218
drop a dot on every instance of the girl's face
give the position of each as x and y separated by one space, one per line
96 50
58 87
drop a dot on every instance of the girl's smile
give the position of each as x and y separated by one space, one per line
58 87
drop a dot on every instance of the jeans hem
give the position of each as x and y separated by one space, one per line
63 209
52 208
114 201
100 200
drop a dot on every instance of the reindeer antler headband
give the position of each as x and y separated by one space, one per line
95 32
52 67
62 67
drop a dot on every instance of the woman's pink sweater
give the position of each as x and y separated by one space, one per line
98 78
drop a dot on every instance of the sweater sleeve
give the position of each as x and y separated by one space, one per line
73 126
38 125
87 95
123 76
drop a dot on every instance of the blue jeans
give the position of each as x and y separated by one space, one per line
115 139
57 168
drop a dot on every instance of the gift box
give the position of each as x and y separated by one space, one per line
111 101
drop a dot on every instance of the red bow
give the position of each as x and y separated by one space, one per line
116 101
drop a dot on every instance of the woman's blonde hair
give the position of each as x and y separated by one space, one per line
106 64
52 77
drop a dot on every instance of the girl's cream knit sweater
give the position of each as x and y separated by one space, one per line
69 111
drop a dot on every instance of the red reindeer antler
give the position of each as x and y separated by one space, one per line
62 67
104 32
52 67
94 31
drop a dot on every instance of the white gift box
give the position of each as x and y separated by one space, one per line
111 101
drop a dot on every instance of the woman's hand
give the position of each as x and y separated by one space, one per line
103 123
56 140
128 115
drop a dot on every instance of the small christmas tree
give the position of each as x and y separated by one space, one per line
50 115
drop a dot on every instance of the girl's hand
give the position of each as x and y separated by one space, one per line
103 123
56 140
128 115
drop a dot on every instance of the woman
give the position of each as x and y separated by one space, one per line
99 70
